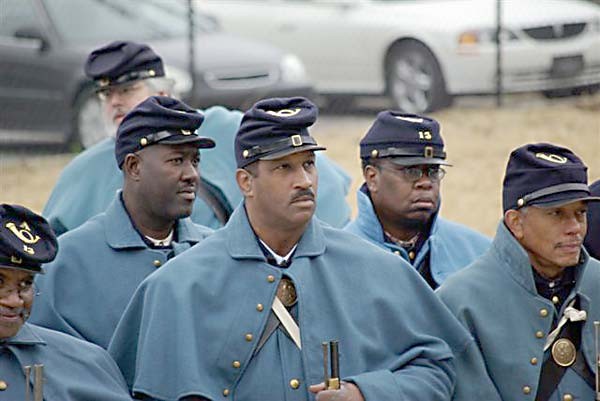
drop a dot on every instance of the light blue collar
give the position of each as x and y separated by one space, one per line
120 232
241 243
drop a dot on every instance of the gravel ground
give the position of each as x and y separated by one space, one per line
479 138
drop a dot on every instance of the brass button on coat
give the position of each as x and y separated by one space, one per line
157 263
236 364
397 253
411 255
555 299
3 385
567 397
248 337
270 278
543 312
260 307
533 361
226 392
294 383
539 334
526 389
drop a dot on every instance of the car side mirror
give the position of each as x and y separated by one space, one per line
33 35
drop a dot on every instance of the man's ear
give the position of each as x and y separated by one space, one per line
514 221
132 166
371 175
244 180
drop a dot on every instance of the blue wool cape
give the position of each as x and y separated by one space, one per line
74 370
496 300
87 287
89 182
192 327
450 246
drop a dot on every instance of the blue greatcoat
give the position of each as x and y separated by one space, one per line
450 246
496 299
88 183
74 370
87 287
192 327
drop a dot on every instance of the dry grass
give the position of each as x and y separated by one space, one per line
479 138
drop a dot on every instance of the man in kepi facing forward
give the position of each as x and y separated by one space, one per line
243 314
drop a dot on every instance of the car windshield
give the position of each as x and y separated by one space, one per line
85 21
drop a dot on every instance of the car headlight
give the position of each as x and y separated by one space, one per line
182 78
292 70
484 36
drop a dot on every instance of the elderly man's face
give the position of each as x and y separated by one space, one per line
551 236
120 99
282 192
16 299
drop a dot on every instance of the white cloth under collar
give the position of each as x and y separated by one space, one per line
162 242
278 258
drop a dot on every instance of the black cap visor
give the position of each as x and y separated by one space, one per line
289 151
415 161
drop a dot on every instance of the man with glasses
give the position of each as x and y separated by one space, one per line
125 73
102 261
398 205
34 360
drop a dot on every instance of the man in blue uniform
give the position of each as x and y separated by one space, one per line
592 238
34 360
243 314
398 205
125 73
531 300
100 264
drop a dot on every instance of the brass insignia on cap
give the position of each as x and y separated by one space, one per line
151 73
245 153
104 82
374 153
520 202
143 141
428 152
549 157
24 233
284 112
425 135
564 352
186 132
28 249
16 260
296 140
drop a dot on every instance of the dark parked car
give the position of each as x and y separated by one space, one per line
44 96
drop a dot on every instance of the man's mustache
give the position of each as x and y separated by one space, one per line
303 193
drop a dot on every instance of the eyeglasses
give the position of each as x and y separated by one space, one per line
121 90
25 289
415 173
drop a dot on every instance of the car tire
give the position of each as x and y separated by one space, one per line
89 126
415 82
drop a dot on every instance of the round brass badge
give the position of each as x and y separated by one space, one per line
564 352
286 292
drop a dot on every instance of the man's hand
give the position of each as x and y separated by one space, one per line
347 392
